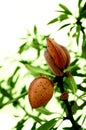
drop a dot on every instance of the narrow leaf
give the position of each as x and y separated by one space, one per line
83 105
78 29
44 111
65 25
35 30
81 88
84 120
74 108
62 17
34 126
70 82
83 7
5 93
66 10
53 20
20 124
22 48
83 14
48 125
79 2
84 47
70 68
35 70
78 118
37 119
68 128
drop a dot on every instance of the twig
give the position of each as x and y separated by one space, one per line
70 115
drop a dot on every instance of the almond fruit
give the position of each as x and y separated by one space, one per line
57 53
40 91
52 64
57 57
68 56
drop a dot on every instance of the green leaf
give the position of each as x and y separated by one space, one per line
68 128
79 2
35 70
83 105
66 10
53 20
62 17
83 14
48 125
65 25
83 8
84 47
23 47
78 29
74 107
81 88
74 67
34 126
23 90
10 79
70 30
37 119
16 70
74 62
13 100
5 93
78 118
71 68
84 119
35 30
71 83
43 110
20 124
1 100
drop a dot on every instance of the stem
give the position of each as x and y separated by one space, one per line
70 115
13 100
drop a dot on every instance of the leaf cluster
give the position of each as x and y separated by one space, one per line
74 23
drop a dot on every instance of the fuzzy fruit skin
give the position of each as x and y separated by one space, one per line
40 91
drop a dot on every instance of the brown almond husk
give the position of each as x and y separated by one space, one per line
68 56
54 68
57 53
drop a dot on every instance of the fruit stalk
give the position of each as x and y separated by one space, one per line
70 114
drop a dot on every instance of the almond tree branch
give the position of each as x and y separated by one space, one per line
70 115
13 100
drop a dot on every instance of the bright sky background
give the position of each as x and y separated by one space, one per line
16 16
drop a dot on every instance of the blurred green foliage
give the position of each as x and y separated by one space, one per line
29 62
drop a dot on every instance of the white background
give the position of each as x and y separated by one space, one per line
18 15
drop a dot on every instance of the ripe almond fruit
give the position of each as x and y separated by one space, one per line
52 64
68 56
40 91
57 57
57 53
